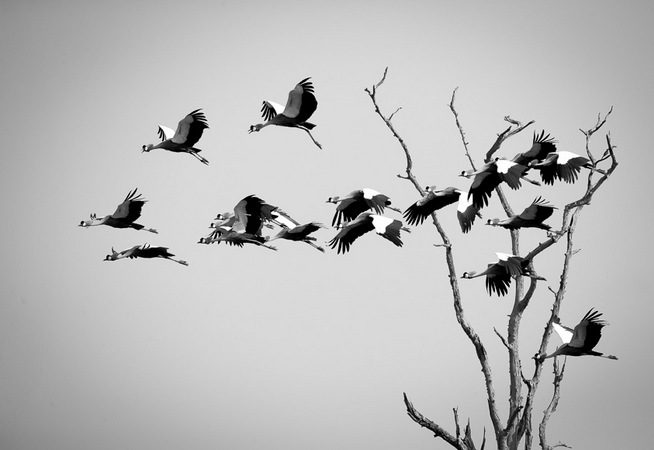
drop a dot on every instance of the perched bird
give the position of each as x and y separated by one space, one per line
434 200
188 133
124 216
143 251
532 217
301 104
499 274
300 233
582 339
364 222
356 202
487 178
542 146
562 165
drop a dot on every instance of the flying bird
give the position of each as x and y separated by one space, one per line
364 222
143 251
300 233
487 178
188 133
582 340
542 146
562 165
301 104
499 274
235 236
434 200
124 217
532 217
356 202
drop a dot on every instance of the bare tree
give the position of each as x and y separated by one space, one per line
516 428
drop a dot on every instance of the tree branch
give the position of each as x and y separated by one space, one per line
480 350
551 408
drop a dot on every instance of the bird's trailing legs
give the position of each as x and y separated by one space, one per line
202 159
311 136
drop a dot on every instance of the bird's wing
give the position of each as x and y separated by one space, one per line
351 232
569 165
542 146
248 213
309 102
189 129
130 209
510 172
416 213
512 263
165 133
498 279
387 228
283 219
588 332
305 230
294 104
350 208
538 211
482 187
466 212
270 110
564 333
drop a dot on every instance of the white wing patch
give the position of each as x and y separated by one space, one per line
369 193
564 157
166 133
503 165
565 335
380 223
464 202
504 256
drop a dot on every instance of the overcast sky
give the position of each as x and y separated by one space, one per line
253 349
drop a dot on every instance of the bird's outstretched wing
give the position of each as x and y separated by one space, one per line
189 129
538 211
130 209
564 333
301 102
588 332
351 232
270 110
165 133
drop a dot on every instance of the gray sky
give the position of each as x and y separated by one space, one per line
252 349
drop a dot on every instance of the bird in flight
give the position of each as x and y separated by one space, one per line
124 217
582 339
188 133
300 106
143 251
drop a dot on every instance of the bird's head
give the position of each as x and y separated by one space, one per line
468 274
146 148
254 128
333 199
466 173
204 240
492 222
113 256
88 223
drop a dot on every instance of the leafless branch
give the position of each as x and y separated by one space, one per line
551 408
431 426
480 349
461 132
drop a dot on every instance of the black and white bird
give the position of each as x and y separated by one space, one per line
188 133
236 236
499 274
124 217
488 177
351 205
143 251
300 233
582 340
533 216
364 222
300 106
542 146
562 165
434 200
